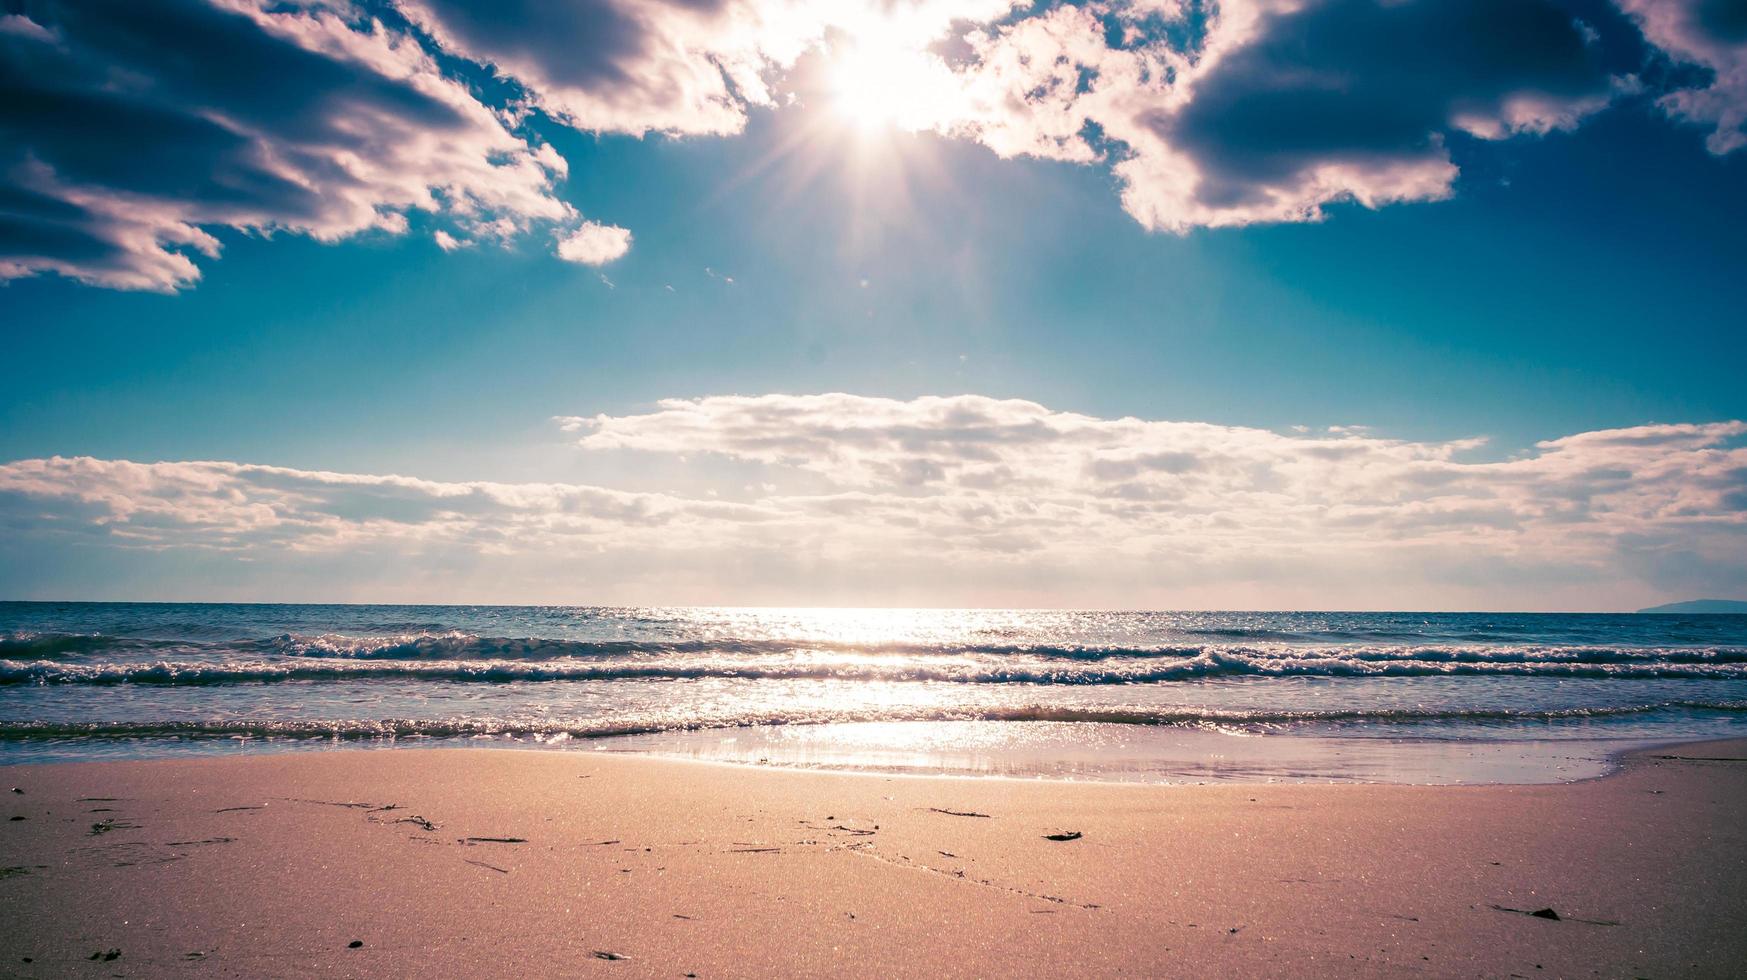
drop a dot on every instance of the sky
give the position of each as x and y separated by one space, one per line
1326 304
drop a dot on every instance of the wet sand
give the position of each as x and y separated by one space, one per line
490 863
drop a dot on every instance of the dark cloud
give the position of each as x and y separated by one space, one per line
127 128
1711 35
608 65
1370 83
587 44
131 132
1725 20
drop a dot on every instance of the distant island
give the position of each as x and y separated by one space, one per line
1701 606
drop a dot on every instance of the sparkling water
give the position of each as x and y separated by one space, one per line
1428 697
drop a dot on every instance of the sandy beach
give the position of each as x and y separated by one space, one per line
439 863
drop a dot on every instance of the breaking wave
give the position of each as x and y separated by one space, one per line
1054 665
390 728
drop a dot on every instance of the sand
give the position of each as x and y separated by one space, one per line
494 863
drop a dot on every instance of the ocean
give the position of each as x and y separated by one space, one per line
1147 696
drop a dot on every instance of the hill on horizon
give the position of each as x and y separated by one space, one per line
1700 606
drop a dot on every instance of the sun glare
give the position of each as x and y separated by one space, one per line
880 86
870 96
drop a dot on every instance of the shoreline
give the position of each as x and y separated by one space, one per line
489 863
1529 759
1162 756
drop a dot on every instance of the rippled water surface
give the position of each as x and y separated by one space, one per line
1111 690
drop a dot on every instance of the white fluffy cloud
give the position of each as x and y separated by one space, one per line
970 500
594 244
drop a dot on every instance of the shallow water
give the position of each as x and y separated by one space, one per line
1106 695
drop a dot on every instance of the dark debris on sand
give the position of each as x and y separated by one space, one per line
1553 916
1067 835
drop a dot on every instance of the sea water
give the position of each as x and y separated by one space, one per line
1152 696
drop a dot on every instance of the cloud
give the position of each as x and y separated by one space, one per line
1711 34
594 244
964 500
627 67
128 132
239 507
132 135
1354 100
1271 110
1199 506
689 67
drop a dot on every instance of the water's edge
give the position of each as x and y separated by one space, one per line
1602 759
1068 752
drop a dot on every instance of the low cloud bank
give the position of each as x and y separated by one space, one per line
959 500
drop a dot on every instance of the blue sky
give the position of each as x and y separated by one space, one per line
1579 272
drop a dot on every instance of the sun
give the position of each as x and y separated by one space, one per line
868 103
878 85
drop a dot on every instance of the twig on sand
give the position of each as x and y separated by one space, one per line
1704 758
493 840
1537 913
501 871
349 806
960 813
